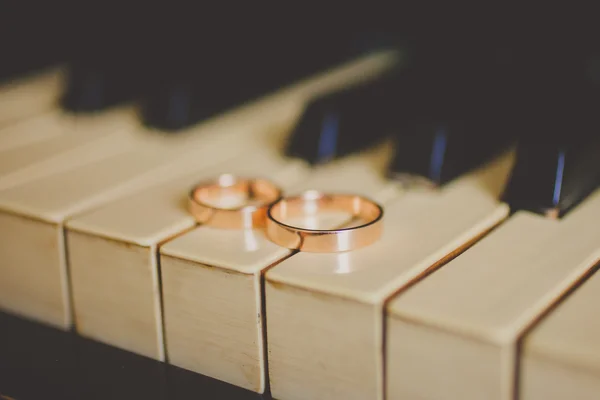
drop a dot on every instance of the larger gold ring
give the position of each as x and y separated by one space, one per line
233 203
324 241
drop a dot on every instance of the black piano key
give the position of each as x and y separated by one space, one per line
348 120
227 70
456 119
109 63
438 151
557 163
96 86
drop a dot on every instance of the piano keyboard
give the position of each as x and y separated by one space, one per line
481 287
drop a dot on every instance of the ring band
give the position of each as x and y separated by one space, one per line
217 203
324 241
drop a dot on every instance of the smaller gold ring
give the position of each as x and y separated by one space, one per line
324 241
208 202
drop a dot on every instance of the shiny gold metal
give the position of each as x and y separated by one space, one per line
230 202
324 241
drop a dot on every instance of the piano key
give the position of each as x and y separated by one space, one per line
29 95
341 356
463 322
34 219
112 252
110 72
559 357
194 88
455 118
54 142
108 67
33 225
348 120
212 286
554 172
439 151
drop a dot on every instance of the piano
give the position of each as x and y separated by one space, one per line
479 142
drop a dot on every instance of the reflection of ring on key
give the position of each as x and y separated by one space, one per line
233 203
324 241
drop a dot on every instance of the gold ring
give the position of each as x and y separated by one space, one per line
324 241
230 202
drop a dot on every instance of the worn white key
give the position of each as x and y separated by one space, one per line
113 252
560 358
325 311
55 142
454 335
212 289
30 95
35 277
19 133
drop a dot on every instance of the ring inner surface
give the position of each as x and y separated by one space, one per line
237 194
325 212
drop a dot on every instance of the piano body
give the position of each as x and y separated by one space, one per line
482 285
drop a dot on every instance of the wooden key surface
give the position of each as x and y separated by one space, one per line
54 142
474 309
30 95
212 287
561 355
113 253
334 302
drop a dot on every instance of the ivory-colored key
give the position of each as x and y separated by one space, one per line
30 95
325 311
55 142
35 277
35 281
113 252
31 130
560 358
454 335
212 283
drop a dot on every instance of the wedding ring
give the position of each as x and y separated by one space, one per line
230 202
324 241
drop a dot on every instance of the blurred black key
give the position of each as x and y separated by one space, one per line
205 72
455 121
109 61
96 85
557 163
348 120
439 151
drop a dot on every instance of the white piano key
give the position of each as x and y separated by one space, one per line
112 252
30 95
55 198
454 334
560 357
212 289
325 311
55 142
19 134
34 212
